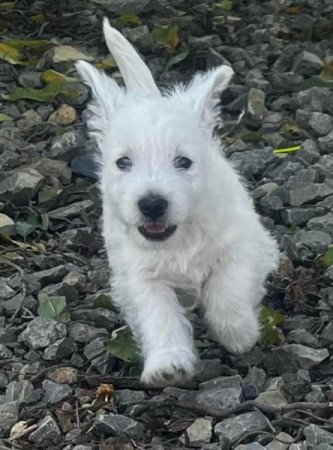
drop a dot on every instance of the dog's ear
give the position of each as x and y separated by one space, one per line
136 75
204 92
106 97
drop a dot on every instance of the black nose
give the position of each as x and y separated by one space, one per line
153 206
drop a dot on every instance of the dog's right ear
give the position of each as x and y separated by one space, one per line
106 97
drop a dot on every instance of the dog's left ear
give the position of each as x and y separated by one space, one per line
204 92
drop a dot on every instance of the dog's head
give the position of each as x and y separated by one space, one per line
157 150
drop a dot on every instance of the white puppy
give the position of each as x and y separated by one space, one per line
175 213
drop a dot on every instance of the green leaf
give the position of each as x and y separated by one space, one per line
4 117
52 76
27 224
328 257
176 59
36 44
46 94
270 320
225 5
313 82
10 54
106 63
103 301
53 308
123 346
7 6
166 34
129 19
251 136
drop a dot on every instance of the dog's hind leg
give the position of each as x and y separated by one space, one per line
152 310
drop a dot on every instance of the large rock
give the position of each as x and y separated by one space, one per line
233 428
7 225
9 413
21 187
305 356
305 245
307 64
316 436
221 393
120 7
118 425
42 332
47 431
198 433
323 223
55 392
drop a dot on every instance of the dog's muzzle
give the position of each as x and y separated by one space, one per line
157 231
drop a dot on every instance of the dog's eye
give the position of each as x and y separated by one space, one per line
124 163
181 162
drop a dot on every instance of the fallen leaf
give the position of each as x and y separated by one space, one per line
166 34
106 63
270 320
53 308
123 346
176 59
104 392
63 375
7 6
37 247
37 44
10 54
292 130
46 94
327 72
129 19
4 117
225 5
52 76
294 10
313 82
328 257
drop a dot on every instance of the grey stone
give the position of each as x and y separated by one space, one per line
198 433
205 41
5 353
86 166
308 153
95 348
83 333
7 226
303 117
278 445
59 350
326 143
272 398
298 446
253 383
21 392
71 211
250 446
323 223
256 104
78 238
208 369
6 292
221 393
314 99
9 414
119 425
3 380
285 170
42 332
126 397
81 95
300 215
47 431
325 166
307 64
304 245
28 120
306 357
271 203
121 7
61 289
54 168
297 321
76 280
301 336
315 395
253 162
64 147
64 115
21 187
49 276
233 428
55 392
320 123
264 189
315 436
326 335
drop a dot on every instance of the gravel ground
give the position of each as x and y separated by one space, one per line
68 380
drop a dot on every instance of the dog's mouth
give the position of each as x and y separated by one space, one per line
157 231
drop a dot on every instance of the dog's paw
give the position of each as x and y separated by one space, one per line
169 368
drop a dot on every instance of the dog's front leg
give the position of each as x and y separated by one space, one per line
230 300
164 333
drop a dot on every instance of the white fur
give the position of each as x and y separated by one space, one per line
219 248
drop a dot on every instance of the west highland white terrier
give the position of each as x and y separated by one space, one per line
175 213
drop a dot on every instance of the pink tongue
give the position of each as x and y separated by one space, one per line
155 228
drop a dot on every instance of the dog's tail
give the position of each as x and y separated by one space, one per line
136 75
